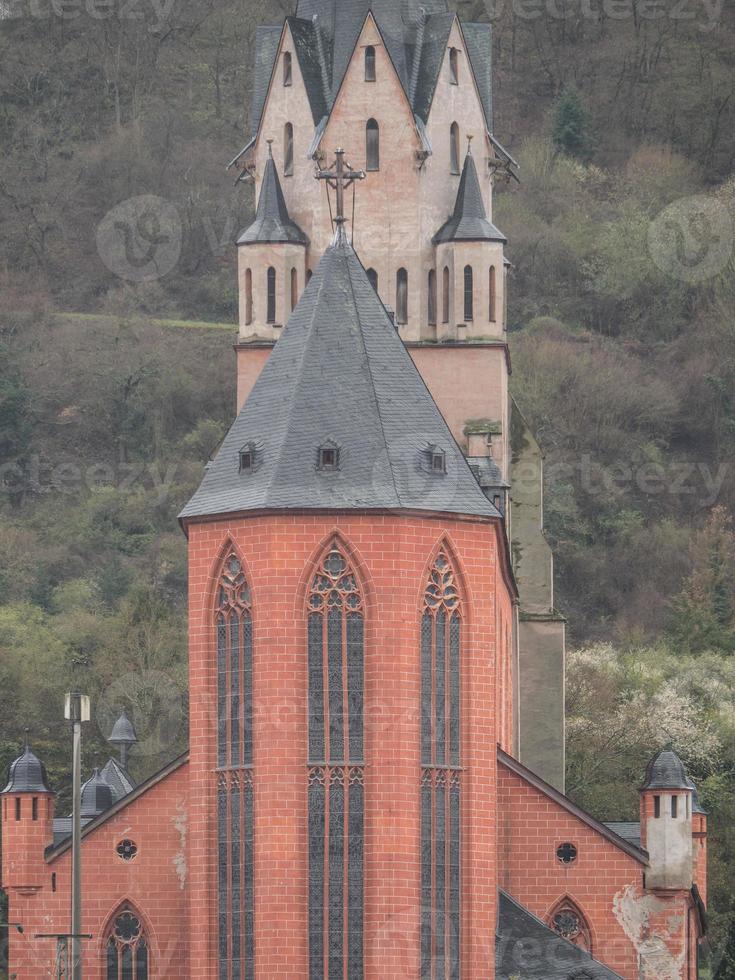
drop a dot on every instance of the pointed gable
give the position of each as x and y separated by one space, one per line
272 223
340 375
469 222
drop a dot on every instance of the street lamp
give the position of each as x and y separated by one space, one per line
77 711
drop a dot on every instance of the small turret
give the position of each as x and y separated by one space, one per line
123 737
666 822
272 262
471 266
27 825
97 796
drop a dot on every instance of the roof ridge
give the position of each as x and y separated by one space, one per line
370 372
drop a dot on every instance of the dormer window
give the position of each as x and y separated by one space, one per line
287 69
328 456
453 66
247 458
437 460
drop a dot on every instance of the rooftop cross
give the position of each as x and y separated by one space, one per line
340 177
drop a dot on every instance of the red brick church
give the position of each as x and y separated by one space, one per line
375 781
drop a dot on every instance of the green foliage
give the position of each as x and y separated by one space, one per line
726 967
570 131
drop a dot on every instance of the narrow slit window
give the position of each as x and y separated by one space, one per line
373 277
674 807
372 145
34 808
657 806
17 808
469 293
271 295
288 150
402 296
248 297
445 295
454 66
432 297
294 288
287 69
370 63
492 285
454 148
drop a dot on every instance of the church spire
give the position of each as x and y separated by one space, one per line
469 221
272 223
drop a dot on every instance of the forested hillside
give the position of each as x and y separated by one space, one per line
114 391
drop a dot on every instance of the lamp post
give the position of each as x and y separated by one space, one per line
77 711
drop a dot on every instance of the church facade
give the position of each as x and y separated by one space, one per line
375 781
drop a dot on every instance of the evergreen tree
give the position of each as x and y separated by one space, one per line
705 608
571 132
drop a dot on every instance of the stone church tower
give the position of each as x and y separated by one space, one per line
374 785
405 88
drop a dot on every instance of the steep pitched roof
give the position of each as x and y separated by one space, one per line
118 779
310 53
469 221
325 32
554 958
340 375
272 220
479 39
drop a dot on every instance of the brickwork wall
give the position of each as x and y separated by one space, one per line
392 555
154 884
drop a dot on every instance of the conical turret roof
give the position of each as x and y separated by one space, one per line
123 732
340 377
469 222
272 223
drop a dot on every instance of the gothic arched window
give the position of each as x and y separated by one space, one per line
370 63
288 150
441 628
469 293
335 643
248 297
445 295
287 69
373 277
402 296
234 633
432 297
454 148
372 145
127 954
492 285
569 921
271 310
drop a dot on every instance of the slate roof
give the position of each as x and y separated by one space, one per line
96 796
696 805
469 222
666 771
339 374
528 948
272 221
118 779
123 732
416 33
628 830
27 775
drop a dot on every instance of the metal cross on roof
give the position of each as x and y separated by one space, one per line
340 176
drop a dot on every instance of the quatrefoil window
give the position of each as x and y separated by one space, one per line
127 850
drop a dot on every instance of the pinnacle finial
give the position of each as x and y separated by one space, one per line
470 137
270 148
27 737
